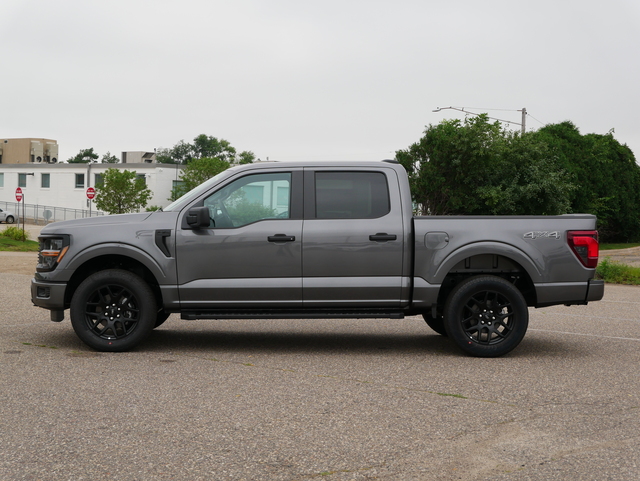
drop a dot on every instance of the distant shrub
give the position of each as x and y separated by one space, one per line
15 233
616 273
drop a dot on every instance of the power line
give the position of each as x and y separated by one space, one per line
521 124
541 123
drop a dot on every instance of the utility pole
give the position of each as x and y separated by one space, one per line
524 120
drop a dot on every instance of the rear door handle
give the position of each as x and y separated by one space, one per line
281 238
382 237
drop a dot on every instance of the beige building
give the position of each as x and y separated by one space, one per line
26 151
138 157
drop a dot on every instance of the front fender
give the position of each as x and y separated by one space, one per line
163 272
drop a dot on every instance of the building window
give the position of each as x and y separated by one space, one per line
45 181
143 177
79 181
98 180
1 179
22 180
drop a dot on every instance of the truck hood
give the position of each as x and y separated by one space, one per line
101 221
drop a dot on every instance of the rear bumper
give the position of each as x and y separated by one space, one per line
569 293
48 295
596 290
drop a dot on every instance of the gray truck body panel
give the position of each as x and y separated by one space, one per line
300 261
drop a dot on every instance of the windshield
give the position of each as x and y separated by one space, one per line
178 204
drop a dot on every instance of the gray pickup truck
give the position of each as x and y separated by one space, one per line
313 240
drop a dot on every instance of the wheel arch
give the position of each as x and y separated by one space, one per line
477 262
533 268
112 261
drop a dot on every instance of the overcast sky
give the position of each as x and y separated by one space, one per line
310 80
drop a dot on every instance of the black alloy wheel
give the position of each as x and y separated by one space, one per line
113 310
486 316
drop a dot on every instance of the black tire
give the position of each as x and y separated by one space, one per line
161 317
435 323
113 310
9 219
486 316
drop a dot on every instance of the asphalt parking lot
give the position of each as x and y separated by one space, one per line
321 399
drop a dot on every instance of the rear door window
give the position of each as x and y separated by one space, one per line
351 195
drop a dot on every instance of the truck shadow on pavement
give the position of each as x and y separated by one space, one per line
233 340
279 342
237 341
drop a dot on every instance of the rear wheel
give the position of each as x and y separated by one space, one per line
113 310
486 316
9 219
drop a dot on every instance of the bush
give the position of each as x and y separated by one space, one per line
15 233
616 273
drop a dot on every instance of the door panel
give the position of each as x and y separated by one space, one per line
250 255
353 240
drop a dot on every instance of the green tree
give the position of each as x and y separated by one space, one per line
246 157
204 146
83 157
606 175
121 192
109 159
197 172
208 146
478 168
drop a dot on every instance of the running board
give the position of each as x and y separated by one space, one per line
193 314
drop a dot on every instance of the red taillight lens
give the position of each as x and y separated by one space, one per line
584 244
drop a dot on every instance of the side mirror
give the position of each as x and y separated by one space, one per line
198 217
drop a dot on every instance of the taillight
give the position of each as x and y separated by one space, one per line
584 244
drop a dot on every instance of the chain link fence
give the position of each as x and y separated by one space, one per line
45 214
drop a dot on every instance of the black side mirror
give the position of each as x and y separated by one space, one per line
198 217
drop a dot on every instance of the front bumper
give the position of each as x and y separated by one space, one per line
48 295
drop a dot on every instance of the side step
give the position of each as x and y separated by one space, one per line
193 314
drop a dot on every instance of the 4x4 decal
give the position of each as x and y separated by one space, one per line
538 234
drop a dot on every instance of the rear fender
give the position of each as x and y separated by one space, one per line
534 268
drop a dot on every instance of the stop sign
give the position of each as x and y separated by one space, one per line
91 193
18 194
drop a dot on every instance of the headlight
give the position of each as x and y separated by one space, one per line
52 250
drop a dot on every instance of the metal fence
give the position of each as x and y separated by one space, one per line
45 214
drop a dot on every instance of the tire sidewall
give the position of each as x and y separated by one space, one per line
9 219
144 297
454 309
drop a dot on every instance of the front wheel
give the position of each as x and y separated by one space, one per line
113 310
9 219
486 316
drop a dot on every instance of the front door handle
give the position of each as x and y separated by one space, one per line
281 238
382 237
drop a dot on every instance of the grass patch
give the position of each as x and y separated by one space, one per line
11 245
608 247
617 273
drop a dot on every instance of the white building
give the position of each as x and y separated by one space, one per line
65 185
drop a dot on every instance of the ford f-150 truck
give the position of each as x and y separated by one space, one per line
321 240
